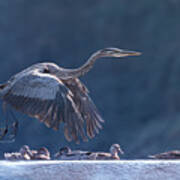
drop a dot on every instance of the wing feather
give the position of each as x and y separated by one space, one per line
85 106
49 100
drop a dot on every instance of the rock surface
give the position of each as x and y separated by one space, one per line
88 170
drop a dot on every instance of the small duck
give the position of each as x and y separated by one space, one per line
167 155
13 156
25 153
115 149
66 153
41 154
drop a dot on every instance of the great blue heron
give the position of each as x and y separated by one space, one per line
66 153
54 94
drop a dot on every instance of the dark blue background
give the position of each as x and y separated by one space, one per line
139 97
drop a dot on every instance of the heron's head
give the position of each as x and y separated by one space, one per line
115 149
116 52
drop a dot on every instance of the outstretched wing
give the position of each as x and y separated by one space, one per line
46 98
85 106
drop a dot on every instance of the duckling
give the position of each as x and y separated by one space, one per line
167 155
23 154
14 156
41 154
115 149
66 153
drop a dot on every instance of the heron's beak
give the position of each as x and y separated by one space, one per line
124 53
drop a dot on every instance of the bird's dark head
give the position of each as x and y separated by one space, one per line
115 149
116 52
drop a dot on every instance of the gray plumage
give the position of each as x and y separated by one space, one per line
54 95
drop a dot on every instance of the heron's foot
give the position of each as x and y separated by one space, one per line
8 134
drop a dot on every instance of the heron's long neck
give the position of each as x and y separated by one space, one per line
75 73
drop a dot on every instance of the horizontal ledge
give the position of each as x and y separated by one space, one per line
48 162
57 170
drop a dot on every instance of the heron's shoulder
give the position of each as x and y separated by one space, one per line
44 64
33 85
35 79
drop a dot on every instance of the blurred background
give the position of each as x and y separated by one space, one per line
138 97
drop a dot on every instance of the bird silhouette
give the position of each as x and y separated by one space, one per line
54 94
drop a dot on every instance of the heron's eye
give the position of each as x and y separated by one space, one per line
46 71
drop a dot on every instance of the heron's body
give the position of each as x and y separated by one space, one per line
53 95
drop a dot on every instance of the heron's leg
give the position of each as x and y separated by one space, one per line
15 124
8 132
4 130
